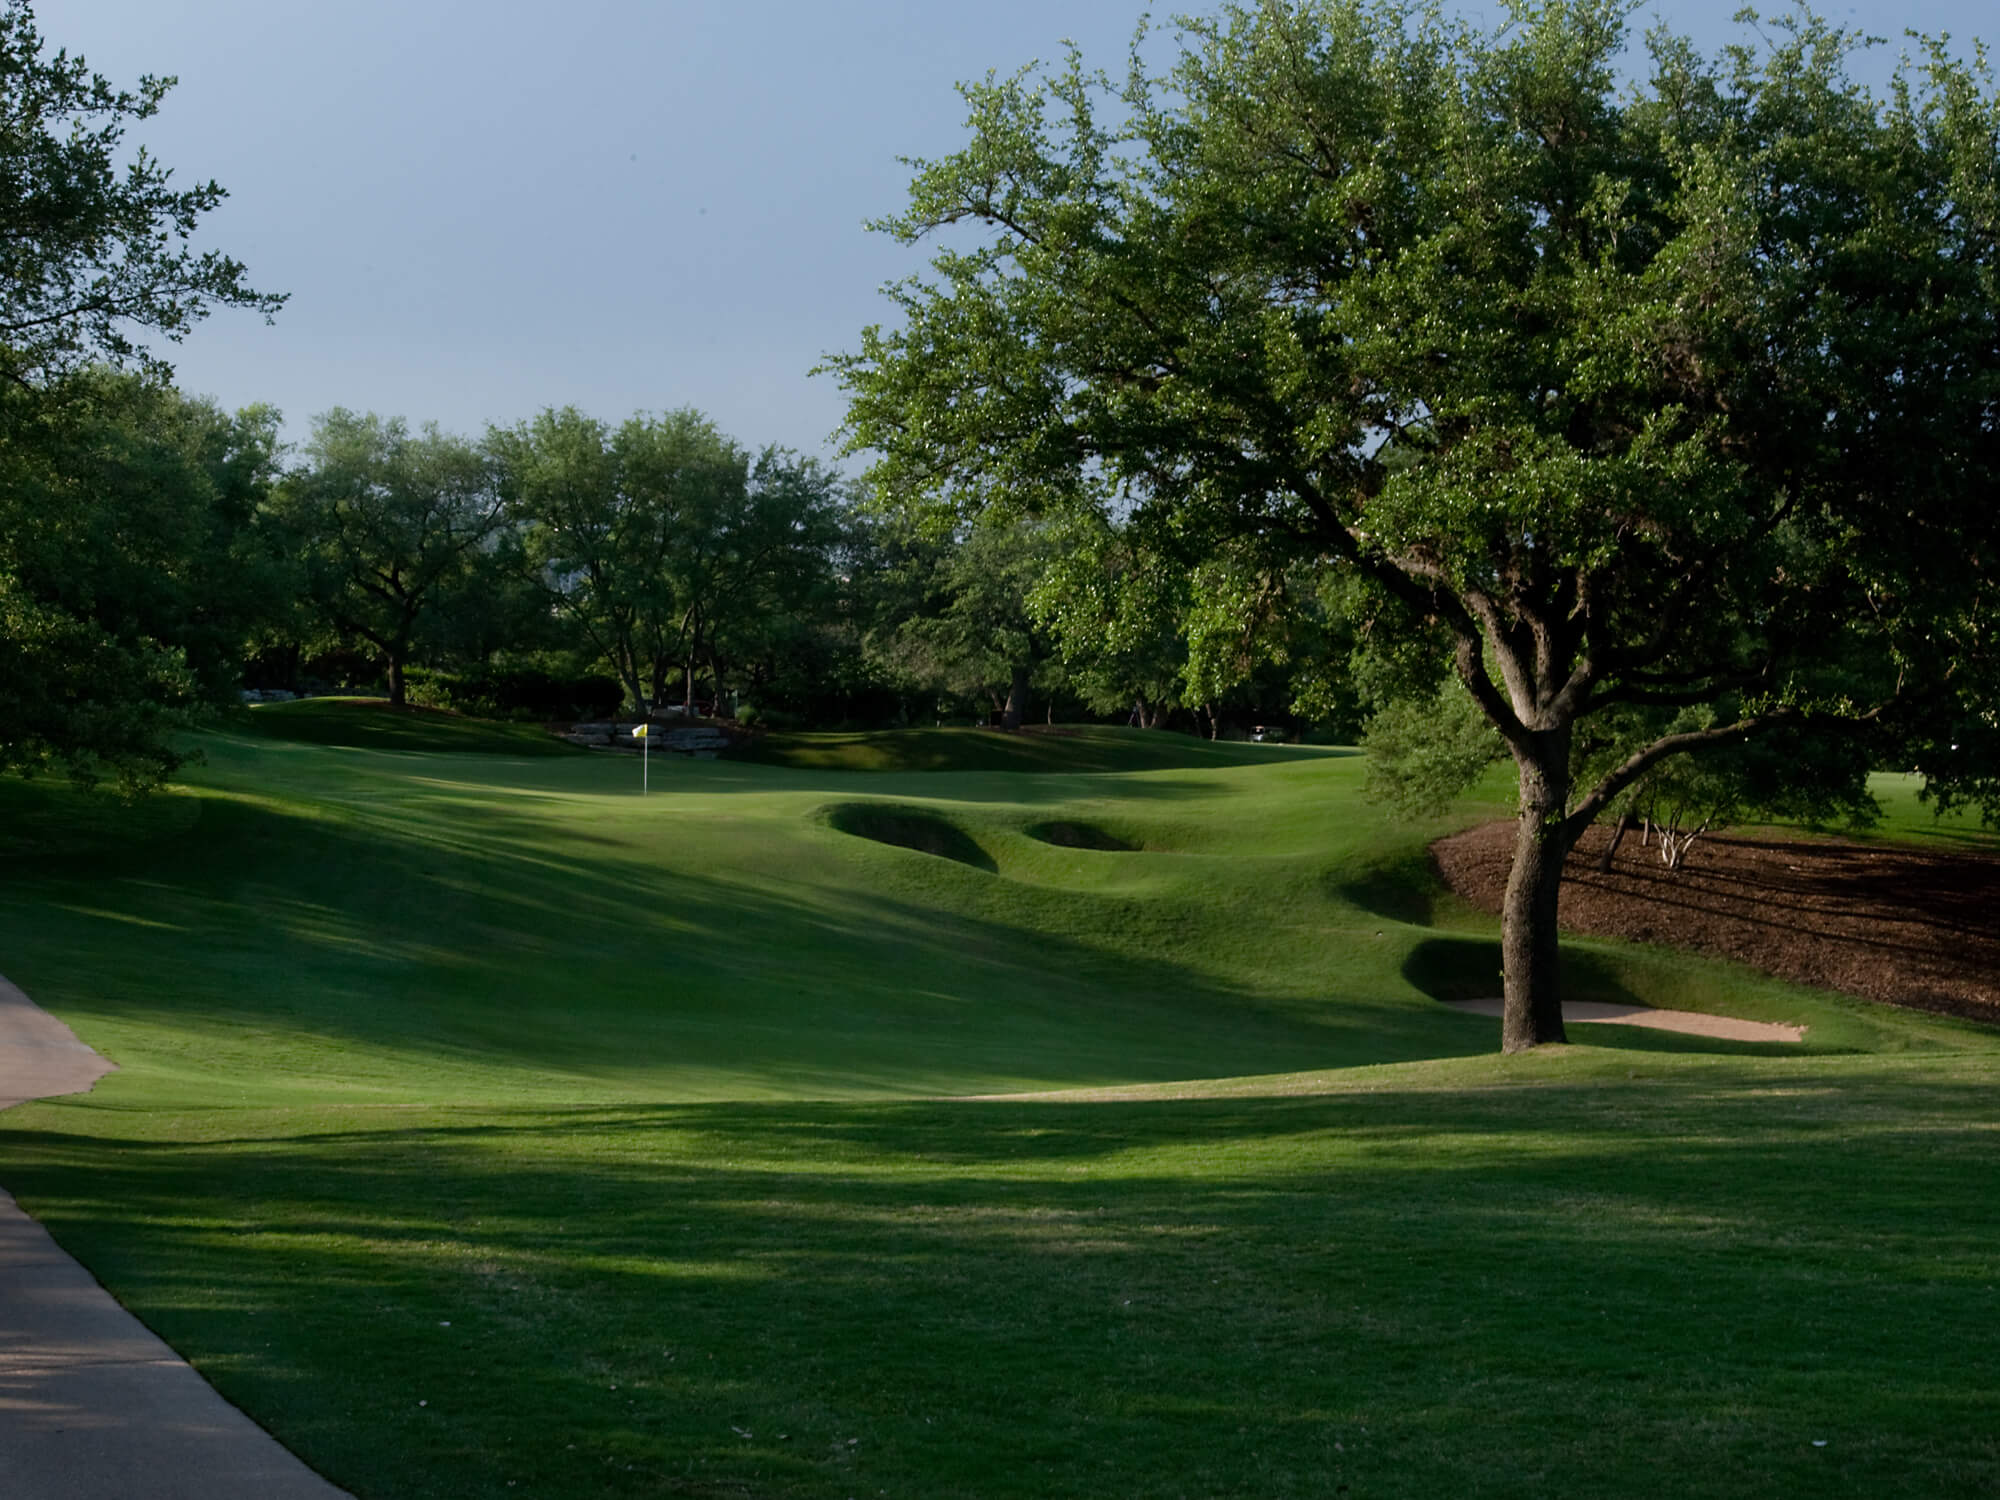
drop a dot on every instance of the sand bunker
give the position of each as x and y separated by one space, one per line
1694 1022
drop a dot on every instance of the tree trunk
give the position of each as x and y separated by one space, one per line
395 664
1617 837
1528 936
1017 699
627 667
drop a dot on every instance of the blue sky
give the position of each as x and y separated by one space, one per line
485 207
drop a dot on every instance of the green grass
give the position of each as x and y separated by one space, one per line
1035 748
371 724
1907 818
487 1130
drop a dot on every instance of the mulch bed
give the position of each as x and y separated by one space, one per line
1899 925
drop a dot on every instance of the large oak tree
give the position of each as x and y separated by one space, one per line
1668 411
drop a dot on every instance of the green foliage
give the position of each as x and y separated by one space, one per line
372 724
94 239
131 566
1067 750
1424 752
1116 610
1676 396
126 570
1783 776
668 547
384 521
956 613
516 693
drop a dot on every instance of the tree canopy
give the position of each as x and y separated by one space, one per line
133 568
124 508
94 237
1661 417
662 541
382 521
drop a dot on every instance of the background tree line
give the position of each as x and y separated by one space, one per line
164 555
563 567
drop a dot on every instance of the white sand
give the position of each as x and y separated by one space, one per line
1694 1022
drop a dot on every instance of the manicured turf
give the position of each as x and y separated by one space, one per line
371 724
485 1129
1061 748
1908 818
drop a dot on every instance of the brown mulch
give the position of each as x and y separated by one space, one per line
1899 925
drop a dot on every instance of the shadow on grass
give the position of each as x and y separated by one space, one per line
1070 833
1019 1298
1402 890
909 828
373 724
1071 749
474 935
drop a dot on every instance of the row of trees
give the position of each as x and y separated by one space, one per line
658 551
687 568
163 553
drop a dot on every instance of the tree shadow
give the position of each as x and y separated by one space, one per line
1177 1289
469 934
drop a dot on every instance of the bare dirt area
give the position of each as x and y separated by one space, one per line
1899 925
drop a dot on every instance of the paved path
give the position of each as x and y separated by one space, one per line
92 1405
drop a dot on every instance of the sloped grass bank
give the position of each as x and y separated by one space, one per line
1033 749
372 724
907 828
486 1129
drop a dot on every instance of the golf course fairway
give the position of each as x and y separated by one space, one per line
483 1128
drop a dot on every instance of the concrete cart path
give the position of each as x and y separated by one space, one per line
93 1406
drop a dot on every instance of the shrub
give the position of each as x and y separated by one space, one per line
524 694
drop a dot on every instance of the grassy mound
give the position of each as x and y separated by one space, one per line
371 724
486 1129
